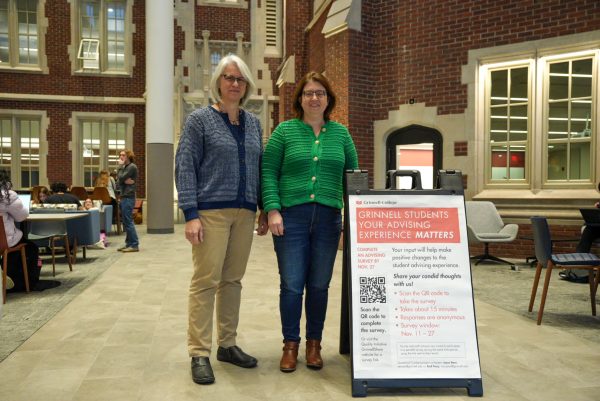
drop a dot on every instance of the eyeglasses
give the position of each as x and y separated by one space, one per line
319 94
231 79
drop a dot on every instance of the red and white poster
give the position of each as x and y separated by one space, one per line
412 301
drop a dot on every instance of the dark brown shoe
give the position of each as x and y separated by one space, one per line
289 357
313 354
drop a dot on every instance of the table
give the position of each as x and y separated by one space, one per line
61 231
53 216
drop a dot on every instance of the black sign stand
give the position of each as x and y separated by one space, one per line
356 183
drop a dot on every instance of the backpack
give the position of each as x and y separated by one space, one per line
575 275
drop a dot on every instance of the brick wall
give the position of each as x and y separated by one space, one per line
336 67
296 43
461 148
316 44
179 45
223 22
360 96
286 92
421 45
60 81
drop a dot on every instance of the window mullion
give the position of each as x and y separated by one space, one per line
13 33
103 37
103 165
569 120
15 168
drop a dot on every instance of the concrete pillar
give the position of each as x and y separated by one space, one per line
159 116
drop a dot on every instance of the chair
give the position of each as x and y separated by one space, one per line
5 249
106 216
101 193
51 231
83 231
484 225
138 211
543 252
79 192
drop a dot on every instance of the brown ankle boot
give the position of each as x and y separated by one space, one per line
289 357
313 354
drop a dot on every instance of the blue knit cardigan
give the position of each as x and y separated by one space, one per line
213 168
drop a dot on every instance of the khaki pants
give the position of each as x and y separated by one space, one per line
219 265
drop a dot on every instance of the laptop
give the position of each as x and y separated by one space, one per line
591 216
26 199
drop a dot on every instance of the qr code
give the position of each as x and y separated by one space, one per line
372 290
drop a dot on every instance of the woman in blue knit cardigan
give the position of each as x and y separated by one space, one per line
217 177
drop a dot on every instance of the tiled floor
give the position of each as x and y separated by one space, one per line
124 338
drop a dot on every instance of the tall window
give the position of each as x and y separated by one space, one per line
19 33
20 149
540 121
102 35
569 117
218 50
507 121
210 52
101 141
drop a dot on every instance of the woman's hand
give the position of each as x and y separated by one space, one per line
263 224
275 222
193 231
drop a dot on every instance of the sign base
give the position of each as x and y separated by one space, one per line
474 386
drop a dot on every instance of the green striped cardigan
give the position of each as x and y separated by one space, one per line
299 167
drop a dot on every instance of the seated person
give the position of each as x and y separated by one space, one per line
41 197
107 180
13 210
88 204
60 195
588 236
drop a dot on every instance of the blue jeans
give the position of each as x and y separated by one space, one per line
131 238
306 254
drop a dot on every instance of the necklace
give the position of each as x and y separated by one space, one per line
234 121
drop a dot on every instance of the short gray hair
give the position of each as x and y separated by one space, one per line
216 78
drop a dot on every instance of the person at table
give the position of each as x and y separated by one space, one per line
302 169
88 204
126 184
13 210
41 196
217 172
107 181
589 235
61 196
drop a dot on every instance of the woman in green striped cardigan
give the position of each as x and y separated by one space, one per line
302 169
